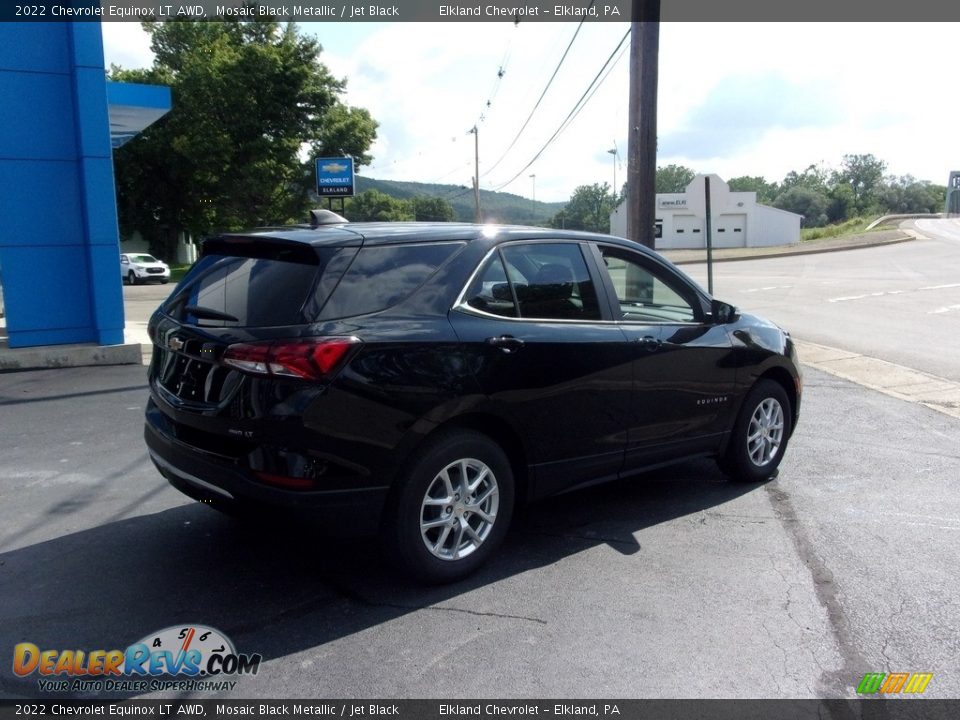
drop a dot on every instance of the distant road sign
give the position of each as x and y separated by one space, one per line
335 177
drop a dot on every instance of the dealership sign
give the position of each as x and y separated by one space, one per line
335 177
672 203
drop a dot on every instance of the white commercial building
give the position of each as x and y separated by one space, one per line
736 219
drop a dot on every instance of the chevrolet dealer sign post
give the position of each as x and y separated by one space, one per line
335 178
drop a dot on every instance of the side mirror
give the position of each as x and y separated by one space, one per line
722 312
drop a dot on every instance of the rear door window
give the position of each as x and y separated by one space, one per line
554 282
490 291
383 275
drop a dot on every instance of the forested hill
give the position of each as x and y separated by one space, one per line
497 206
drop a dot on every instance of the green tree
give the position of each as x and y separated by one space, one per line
810 203
814 178
842 206
247 99
432 209
673 178
374 205
589 208
766 192
908 195
863 174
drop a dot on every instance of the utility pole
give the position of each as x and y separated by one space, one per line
642 137
533 205
476 176
614 153
706 194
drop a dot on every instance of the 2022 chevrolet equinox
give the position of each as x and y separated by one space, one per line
421 380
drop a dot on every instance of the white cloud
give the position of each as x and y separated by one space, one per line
827 89
126 44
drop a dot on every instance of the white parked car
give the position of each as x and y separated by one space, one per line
136 268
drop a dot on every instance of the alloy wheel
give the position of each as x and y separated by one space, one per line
459 509
765 433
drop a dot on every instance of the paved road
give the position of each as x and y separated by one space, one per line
900 303
676 584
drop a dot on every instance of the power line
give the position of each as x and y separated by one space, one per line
501 72
540 99
502 68
494 89
580 104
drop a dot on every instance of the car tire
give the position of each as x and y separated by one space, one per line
131 278
164 282
760 434
451 508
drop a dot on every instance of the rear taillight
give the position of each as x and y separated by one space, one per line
311 359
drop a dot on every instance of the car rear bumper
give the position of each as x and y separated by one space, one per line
207 478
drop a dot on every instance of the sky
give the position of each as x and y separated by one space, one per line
733 98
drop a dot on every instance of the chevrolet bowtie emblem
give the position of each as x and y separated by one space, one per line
175 343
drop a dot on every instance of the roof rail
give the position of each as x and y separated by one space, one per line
325 217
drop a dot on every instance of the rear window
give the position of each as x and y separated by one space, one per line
383 275
256 285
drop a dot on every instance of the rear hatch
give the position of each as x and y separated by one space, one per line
255 333
244 311
260 308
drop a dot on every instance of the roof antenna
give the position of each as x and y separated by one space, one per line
325 217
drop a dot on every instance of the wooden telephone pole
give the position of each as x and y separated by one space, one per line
476 177
642 138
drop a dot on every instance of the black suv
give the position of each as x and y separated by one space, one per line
420 380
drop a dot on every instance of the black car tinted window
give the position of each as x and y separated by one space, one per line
555 284
258 292
490 291
383 275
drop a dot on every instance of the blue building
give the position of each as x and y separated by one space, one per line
59 244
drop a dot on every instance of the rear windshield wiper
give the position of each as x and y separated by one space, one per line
205 313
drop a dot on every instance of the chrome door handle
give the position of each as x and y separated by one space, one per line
507 343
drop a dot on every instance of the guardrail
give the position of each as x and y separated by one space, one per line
914 216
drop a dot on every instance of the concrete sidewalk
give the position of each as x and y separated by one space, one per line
889 378
60 356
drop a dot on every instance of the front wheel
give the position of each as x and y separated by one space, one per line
453 508
131 278
760 434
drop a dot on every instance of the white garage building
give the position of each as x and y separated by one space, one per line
736 219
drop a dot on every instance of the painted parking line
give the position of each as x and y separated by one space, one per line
882 293
940 287
946 309
768 288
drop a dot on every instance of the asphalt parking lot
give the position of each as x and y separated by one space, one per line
673 584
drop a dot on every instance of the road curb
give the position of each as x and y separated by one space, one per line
897 381
61 356
795 252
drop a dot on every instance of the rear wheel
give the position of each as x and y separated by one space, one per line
760 434
453 508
